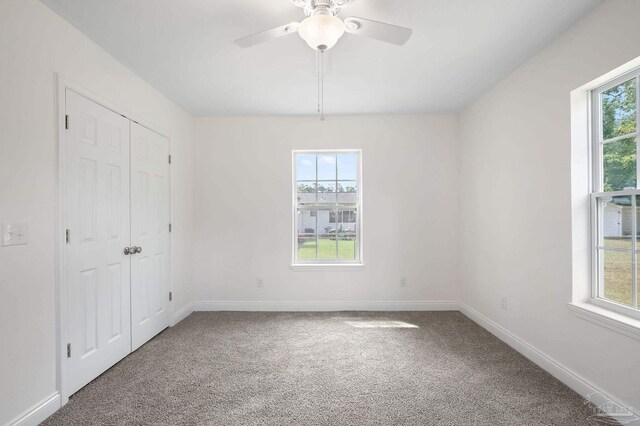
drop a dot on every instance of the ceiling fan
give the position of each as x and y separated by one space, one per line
322 28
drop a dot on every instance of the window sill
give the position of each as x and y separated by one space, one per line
604 317
325 266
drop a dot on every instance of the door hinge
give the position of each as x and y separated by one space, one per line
170 296
66 121
67 236
169 159
68 350
169 227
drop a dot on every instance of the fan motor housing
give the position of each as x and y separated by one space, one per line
313 7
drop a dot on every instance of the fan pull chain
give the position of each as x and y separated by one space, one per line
318 75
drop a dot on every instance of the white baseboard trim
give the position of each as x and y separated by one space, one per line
39 412
573 380
184 312
322 306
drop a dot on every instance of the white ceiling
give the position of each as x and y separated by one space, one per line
459 48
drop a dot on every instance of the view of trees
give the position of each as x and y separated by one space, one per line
619 119
308 188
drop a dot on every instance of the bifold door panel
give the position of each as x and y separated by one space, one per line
150 232
98 272
116 183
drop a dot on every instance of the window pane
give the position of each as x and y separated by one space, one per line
305 167
327 192
306 228
324 220
307 247
616 276
619 110
326 166
348 166
306 221
347 247
327 245
347 192
619 164
615 222
347 216
306 193
347 234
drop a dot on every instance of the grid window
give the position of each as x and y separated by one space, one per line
327 207
616 195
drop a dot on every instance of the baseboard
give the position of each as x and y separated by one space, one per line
183 313
39 412
322 306
579 384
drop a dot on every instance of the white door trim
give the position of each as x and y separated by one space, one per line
63 83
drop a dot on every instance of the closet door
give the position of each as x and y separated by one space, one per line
149 234
96 176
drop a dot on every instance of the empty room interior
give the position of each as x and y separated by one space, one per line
319 212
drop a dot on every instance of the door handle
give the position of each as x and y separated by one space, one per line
132 250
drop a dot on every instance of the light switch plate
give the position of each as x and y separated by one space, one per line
15 234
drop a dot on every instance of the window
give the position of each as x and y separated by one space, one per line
615 199
327 207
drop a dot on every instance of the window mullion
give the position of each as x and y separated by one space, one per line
637 134
597 136
316 225
634 288
634 254
598 186
336 207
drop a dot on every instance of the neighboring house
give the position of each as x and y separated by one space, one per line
614 220
330 217
617 220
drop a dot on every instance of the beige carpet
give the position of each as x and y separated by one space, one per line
345 368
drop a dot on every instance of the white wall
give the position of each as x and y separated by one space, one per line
35 43
515 190
243 180
489 202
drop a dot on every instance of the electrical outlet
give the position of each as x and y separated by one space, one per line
259 282
503 303
403 282
15 234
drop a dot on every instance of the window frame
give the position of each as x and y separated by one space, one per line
597 191
359 213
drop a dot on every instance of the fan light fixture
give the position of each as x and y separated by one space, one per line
321 32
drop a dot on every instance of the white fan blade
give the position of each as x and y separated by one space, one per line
274 33
378 30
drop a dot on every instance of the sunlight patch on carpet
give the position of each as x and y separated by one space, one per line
380 324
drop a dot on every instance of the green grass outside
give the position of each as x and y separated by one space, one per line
327 250
617 272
